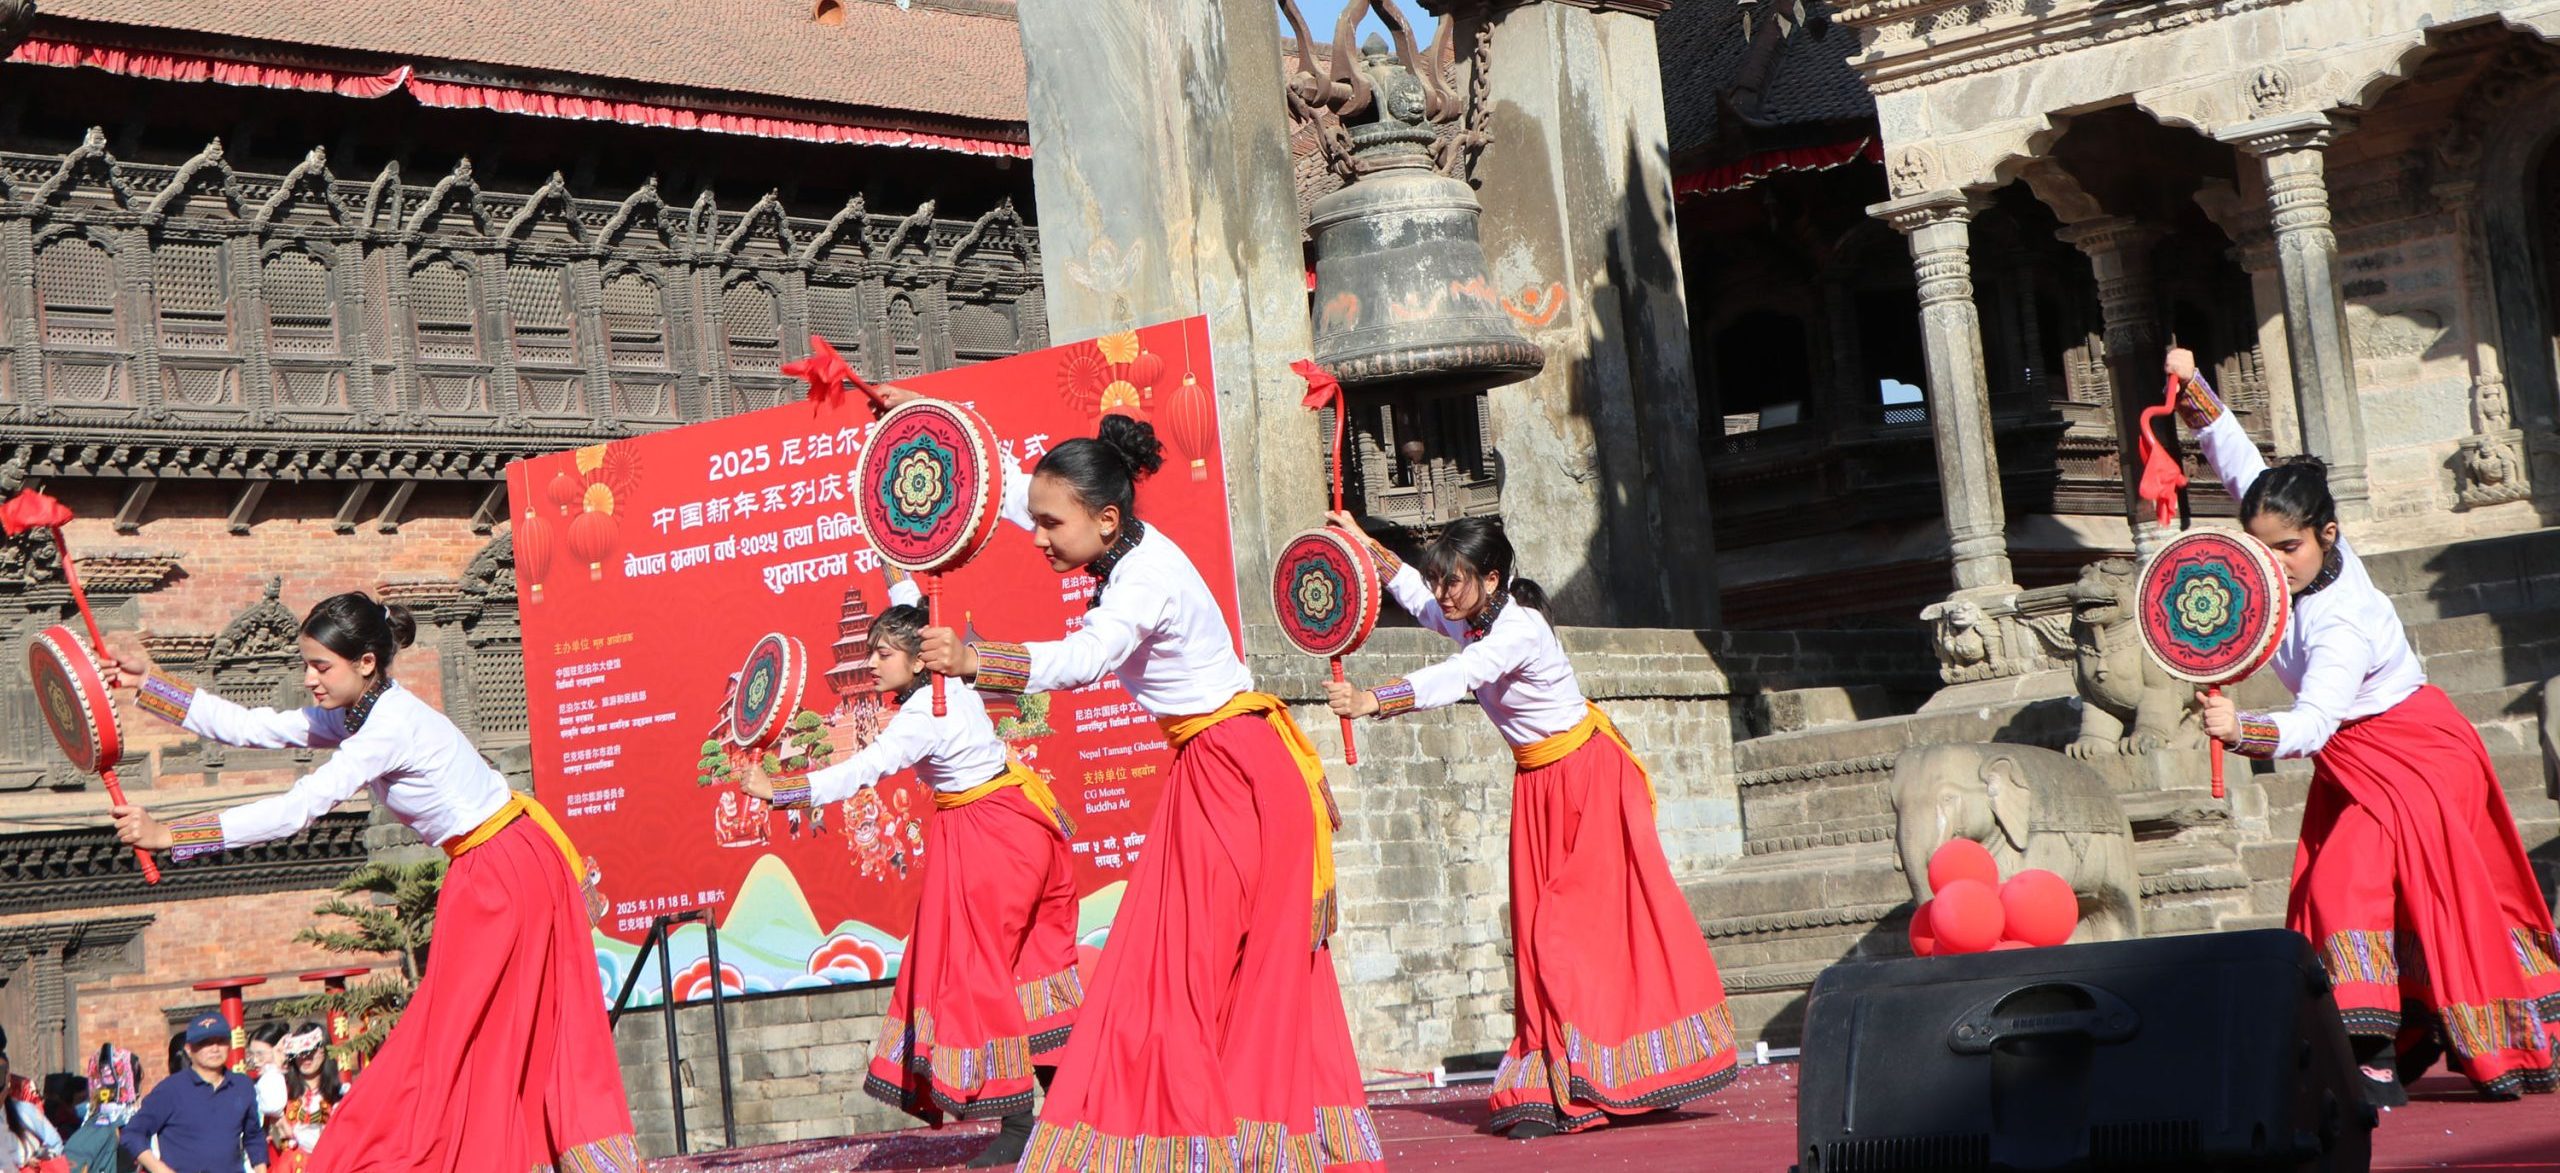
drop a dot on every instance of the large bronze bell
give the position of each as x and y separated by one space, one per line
1402 302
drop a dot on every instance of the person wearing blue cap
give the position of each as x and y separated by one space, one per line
205 1118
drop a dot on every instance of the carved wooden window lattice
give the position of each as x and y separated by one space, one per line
906 337
194 292
302 306
443 303
836 314
635 329
752 320
546 339
76 294
1455 478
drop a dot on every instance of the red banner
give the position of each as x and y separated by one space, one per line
649 568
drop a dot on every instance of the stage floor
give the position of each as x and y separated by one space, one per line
1745 1128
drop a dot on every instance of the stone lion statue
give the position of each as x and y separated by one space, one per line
2128 705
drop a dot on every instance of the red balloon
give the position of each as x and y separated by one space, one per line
1962 859
2039 907
1924 938
1966 915
1087 957
568 491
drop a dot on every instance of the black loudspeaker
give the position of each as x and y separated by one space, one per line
2213 1052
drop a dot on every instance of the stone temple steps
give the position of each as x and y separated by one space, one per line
1818 881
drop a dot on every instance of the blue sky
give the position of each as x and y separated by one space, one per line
1322 13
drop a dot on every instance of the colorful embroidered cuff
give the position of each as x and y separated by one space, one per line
2258 736
165 697
1395 698
195 835
1003 667
2197 404
793 796
1388 563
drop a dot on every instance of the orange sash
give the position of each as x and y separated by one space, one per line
1034 787
1547 751
521 804
1179 730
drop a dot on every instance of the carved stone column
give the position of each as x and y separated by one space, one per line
2119 252
2493 468
2324 373
1939 224
1160 150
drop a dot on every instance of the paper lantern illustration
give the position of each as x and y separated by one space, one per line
1148 371
591 536
1192 414
567 490
533 551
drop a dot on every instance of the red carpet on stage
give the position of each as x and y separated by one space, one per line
1748 1127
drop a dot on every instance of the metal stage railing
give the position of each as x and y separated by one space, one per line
657 941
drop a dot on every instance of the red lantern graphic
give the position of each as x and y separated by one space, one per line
533 552
1148 371
1193 414
567 490
591 535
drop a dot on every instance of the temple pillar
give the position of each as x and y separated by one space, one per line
2119 252
1160 156
1939 225
2292 148
1603 472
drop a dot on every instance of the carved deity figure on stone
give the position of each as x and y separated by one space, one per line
2128 705
2033 808
1962 643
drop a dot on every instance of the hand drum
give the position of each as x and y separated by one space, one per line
1325 587
81 712
927 492
769 691
2212 606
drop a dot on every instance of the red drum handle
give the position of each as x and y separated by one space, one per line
2214 747
1350 748
150 868
933 618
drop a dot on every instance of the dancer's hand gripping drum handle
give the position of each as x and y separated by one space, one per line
78 707
1350 747
2211 606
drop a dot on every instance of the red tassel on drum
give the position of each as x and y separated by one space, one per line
2162 476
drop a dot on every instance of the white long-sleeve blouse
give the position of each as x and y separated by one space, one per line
1153 624
1514 665
2345 655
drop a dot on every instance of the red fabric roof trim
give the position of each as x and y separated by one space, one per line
457 95
1742 174
180 67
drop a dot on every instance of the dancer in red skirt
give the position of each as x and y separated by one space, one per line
502 1062
1212 1035
2410 878
988 988
1618 1006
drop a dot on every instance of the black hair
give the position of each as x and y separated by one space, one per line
900 627
2294 491
354 623
177 1052
331 1087
269 1033
1105 470
1477 544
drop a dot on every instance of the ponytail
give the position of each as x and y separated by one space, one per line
1104 470
353 624
1479 545
2295 491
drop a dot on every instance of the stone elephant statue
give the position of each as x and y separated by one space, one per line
2034 808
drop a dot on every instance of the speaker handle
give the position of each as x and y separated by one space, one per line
2108 1020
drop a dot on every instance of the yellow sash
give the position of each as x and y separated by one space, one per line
1547 751
1180 730
521 804
1034 787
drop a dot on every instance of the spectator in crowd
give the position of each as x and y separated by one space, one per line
204 1119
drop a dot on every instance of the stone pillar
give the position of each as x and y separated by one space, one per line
2119 252
2492 470
2324 373
1939 224
1604 475
1160 154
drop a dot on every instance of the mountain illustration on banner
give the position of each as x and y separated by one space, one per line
771 941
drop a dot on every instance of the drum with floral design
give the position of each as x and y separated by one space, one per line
2213 606
1325 587
928 488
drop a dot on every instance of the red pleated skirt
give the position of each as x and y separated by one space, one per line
2412 882
989 984
502 1062
1618 1005
1212 1037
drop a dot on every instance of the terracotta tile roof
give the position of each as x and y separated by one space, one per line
946 60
